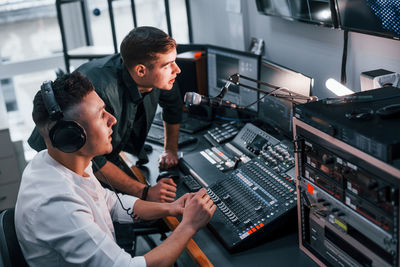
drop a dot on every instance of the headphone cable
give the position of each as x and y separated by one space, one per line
128 210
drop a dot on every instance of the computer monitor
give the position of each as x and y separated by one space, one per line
375 17
320 12
278 112
221 64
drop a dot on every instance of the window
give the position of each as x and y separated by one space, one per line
148 13
24 88
179 21
29 29
31 46
29 37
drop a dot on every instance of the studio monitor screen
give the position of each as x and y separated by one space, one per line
370 16
221 64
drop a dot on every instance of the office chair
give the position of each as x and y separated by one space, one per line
11 254
10 250
127 234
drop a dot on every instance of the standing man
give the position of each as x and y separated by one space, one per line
131 84
63 216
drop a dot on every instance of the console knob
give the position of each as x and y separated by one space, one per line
258 208
247 222
331 130
327 159
373 185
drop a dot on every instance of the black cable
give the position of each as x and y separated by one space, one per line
343 77
130 213
259 99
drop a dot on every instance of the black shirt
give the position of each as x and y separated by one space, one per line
134 112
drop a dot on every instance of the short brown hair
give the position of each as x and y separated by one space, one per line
69 90
142 43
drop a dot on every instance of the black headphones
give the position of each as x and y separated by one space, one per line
67 136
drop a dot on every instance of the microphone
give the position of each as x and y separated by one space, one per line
194 99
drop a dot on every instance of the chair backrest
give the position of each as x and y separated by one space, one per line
11 253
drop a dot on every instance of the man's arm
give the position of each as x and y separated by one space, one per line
148 210
169 158
163 191
198 210
114 176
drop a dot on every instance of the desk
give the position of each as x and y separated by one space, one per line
282 251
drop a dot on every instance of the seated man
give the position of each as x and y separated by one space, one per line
63 215
132 84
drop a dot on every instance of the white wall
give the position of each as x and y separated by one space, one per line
313 50
368 52
218 22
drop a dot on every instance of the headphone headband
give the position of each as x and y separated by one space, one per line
50 102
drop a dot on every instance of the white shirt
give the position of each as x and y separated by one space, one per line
64 219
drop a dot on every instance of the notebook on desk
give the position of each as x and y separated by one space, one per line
188 124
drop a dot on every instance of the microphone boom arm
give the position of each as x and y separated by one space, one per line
283 92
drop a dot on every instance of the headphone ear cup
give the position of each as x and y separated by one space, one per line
67 136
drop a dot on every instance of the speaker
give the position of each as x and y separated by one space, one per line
193 76
378 78
66 135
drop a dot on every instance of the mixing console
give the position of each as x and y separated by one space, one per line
248 199
251 180
278 157
221 134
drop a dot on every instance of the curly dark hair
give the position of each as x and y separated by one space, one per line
141 45
69 90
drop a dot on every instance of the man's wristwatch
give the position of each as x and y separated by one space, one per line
145 192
